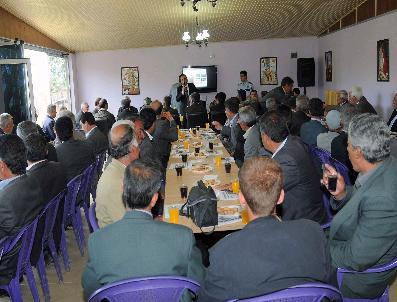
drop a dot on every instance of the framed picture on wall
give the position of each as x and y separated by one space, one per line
383 71
130 81
328 66
268 71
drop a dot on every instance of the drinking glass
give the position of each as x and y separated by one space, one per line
174 214
184 190
244 216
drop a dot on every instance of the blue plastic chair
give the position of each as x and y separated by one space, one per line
92 217
25 238
310 292
150 289
379 269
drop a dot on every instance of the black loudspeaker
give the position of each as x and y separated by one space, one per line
306 72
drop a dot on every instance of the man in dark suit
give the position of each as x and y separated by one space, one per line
164 134
311 129
392 121
282 92
25 128
146 147
259 259
49 122
179 255
358 99
94 136
363 233
300 115
84 108
197 107
182 95
103 117
21 198
52 180
303 197
74 155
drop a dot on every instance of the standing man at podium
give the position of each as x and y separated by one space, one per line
182 96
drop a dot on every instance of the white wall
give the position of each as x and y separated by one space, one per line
98 73
354 60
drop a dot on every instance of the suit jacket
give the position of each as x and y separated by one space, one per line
199 109
21 201
52 153
259 259
230 132
183 99
253 142
363 233
98 141
146 149
164 134
48 128
78 118
297 120
75 156
303 197
324 140
339 152
310 130
394 126
104 115
365 107
277 93
109 205
141 247
52 180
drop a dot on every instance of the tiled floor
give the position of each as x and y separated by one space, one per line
70 290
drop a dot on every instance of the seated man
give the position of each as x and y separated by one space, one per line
74 155
303 197
123 150
247 122
25 128
164 134
198 108
52 180
260 259
49 122
333 122
140 246
94 136
311 129
363 233
146 147
21 198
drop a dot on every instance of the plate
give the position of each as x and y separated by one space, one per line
198 155
211 182
224 187
229 211
197 144
202 168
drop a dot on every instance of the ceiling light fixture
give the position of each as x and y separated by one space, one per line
201 37
213 3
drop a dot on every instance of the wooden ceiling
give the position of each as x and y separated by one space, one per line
87 25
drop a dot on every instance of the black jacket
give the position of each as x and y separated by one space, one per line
266 256
303 197
297 120
98 141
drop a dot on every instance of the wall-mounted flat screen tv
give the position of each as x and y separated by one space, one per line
205 78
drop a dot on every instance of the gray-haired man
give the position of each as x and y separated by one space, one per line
252 136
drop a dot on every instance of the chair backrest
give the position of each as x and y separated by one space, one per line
310 292
92 217
325 158
71 195
196 119
86 180
159 289
50 214
25 238
218 116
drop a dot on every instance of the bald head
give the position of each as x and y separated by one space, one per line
123 142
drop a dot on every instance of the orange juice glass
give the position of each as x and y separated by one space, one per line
244 216
235 186
218 160
181 118
207 125
186 145
174 214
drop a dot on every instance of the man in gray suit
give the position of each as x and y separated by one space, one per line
303 197
282 92
164 134
247 122
363 233
94 136
138 246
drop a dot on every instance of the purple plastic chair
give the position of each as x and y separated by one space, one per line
92 217
379 269
88 177
100 160
150 289
25 238
309 292
50 214
69 217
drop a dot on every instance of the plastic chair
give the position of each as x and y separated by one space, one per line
50 214
150 289
100 161
92 217
25 238
88 177
218 116
309 292
70 217
196 119
379 269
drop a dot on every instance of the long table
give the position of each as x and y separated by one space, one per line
189 178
